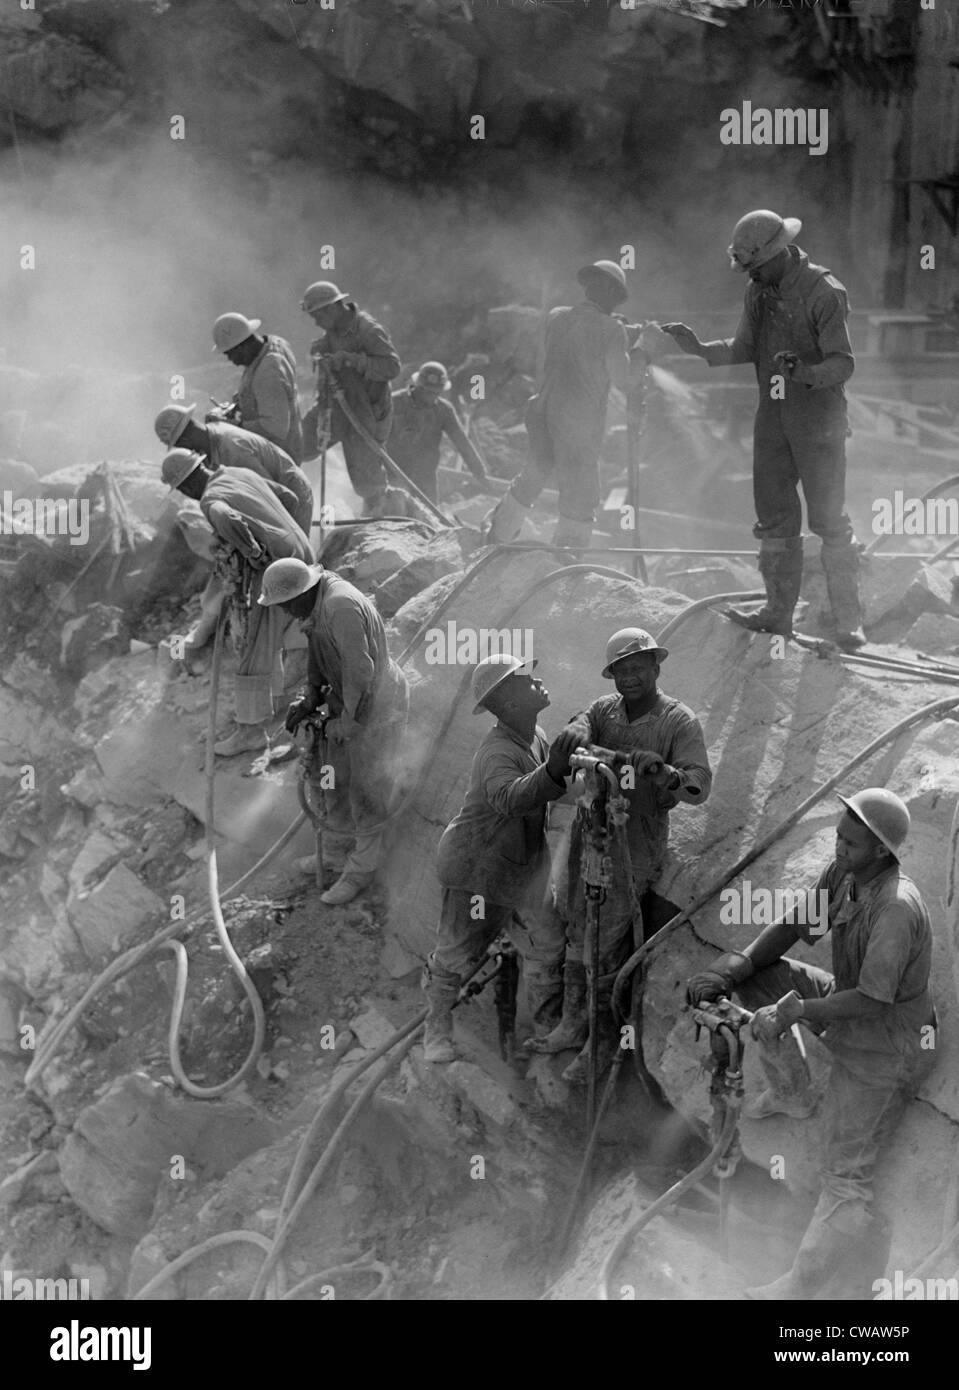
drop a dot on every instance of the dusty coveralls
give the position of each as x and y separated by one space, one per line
367 392
246 513
414 441
586 352
496 847
882 946
267 397
347 650
671 730
231 447
800 439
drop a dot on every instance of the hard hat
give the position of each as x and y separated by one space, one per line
230 330
179 464
610 270
627 641
882 812
432 374
320 294
285 579
491 672
171 422
759 236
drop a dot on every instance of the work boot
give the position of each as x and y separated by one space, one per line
789 1090
840 564
345 889
544 995
842 1251
577 1073
441 990
780 564
576 535
573 1028
505 521
245 738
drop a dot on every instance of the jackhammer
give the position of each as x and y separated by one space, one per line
725 1022
501 965
311 762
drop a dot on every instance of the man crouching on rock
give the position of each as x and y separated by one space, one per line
493 859
877 1018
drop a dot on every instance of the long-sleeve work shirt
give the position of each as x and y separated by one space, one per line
231 447
248 516
348 651
268 400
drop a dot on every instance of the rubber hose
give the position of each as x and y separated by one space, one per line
667 1200
196 1251
384 1272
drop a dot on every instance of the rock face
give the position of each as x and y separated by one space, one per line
124 1145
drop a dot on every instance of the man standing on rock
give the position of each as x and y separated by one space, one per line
420 419
875 1014
493 860
255 527
227 446
793 330
356 355
586 353
267 400
350 670
667 751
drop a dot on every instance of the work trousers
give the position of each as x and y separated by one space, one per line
364 465
363 771
563 450
858 1119
785 457
462 939
259 671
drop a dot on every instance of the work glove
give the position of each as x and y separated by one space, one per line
728 971
652 767
767 1025
684 337
560 751
297 711
790 365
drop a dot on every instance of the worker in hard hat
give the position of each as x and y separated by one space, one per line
421 417
228 446
493 860
793 330
874 1013
670 764
254 528
587 351
355 355
368 698
267 401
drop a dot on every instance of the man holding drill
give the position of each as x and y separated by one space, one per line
357 353
421 417
793 330
875 1014
493 860
664 743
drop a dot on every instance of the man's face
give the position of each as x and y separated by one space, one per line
856 846
635 675
427 393
522 693
772 271
243 352
301 606
327 317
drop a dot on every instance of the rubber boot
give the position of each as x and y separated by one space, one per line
789 1090
245 738
573 1028
505 521
841 567
577 1073
577 535
544 998
441 990
780 564
842 1251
